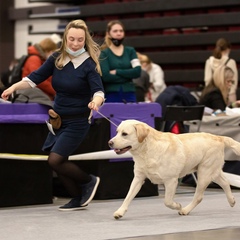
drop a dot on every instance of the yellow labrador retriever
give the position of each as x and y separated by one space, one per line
165 157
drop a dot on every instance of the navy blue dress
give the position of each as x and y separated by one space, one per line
75 84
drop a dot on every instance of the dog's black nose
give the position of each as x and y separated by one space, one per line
110 144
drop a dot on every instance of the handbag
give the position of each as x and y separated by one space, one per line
54 119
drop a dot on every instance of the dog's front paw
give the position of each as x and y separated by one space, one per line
232 202
183 211
118 214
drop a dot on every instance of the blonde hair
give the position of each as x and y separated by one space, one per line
90 45
219 77
48 45
218 82
143 58
107 41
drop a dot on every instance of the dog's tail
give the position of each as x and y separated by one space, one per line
233 179
234 145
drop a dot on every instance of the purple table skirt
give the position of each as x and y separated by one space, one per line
23 113
116 112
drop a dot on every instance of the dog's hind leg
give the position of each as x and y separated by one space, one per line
170 190
203 181
224 184
134 189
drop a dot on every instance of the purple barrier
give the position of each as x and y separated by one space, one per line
23 113
117 112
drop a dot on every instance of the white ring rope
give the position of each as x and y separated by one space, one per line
233 179
108 154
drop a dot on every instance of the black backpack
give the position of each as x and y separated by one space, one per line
15 74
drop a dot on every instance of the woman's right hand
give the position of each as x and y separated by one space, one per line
16 86
6 93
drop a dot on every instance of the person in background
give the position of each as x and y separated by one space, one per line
5 74
156 74
119 65
221 57
142 86
39 52
57 39
215 94
76 79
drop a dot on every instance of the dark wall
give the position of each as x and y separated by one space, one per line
177 35
6 35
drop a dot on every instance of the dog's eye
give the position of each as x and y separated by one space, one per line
124 134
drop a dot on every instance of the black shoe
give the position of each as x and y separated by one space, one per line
73 205
89 190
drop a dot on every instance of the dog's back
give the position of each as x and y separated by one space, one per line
181 154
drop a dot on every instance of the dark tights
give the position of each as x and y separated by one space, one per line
68 173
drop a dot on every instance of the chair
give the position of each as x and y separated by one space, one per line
179 114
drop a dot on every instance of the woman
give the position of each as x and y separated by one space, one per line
119 65
76 79
221 57
38 53
156 74
215 94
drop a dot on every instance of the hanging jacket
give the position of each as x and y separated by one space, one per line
175 95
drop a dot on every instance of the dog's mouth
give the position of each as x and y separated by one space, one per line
123 150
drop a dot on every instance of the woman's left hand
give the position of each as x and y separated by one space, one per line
93 106
96 102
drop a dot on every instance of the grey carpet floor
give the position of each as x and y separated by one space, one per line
146 216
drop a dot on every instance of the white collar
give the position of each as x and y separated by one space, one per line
77 61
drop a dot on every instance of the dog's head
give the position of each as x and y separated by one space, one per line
130 134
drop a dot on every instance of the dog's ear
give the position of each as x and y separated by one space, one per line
142 132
